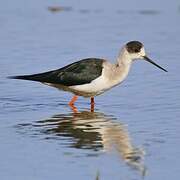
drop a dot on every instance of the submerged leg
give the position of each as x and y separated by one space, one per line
92 104
71 103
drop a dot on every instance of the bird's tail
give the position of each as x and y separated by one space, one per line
41 77
27 77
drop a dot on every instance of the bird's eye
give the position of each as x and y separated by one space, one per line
136 50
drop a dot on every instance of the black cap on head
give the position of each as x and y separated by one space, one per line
134 46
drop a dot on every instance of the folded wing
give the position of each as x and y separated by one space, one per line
78 73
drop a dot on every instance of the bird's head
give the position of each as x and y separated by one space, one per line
136 50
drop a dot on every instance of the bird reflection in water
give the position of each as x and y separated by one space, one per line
94 131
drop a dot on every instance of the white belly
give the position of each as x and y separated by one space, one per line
98 85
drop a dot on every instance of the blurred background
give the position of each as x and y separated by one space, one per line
41 138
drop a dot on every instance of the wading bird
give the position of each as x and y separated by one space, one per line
92 76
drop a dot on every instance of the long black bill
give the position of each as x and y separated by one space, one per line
152 62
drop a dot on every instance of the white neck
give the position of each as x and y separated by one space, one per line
122 67
124 59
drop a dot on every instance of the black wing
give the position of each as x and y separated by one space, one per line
78 73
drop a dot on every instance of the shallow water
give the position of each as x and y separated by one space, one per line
134 131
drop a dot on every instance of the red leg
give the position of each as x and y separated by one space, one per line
92 100
92 104
74 109
71 103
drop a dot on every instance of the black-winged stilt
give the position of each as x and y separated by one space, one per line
92 76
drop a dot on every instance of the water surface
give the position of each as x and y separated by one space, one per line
134 131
